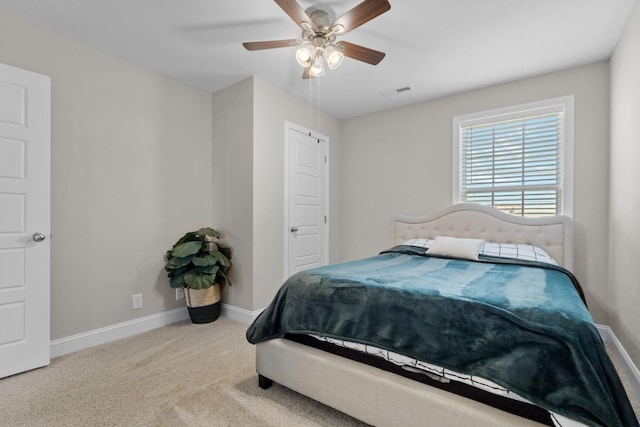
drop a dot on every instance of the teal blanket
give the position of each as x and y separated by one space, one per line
523 326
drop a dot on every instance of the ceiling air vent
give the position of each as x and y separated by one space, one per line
394 92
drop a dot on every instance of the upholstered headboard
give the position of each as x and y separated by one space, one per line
553 234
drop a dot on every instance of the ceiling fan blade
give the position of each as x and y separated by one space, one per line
361 14
362 53
294 10
270 44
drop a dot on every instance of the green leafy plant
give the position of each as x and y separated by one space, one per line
197 261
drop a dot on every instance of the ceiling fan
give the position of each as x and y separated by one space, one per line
318 41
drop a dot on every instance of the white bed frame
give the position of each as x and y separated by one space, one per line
384 399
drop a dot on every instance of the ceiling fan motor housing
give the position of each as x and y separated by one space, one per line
320 20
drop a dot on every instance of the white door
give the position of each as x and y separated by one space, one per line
25 104
307 200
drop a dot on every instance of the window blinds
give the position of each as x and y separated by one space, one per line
514 165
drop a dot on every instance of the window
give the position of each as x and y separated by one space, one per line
517 159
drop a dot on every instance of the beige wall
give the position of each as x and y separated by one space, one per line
248 140
624 203
232 194
272 107
132 156
400 161
131 173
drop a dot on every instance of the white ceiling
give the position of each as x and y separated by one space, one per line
437 47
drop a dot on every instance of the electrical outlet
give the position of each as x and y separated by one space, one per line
179 293
137 301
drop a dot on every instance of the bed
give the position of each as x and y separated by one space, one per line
381 395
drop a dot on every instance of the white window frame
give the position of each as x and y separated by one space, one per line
564 104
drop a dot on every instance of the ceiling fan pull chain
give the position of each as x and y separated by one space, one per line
318 105
310 101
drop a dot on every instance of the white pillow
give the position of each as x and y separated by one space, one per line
456 247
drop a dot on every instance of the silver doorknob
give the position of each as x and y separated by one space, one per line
294 229
39 237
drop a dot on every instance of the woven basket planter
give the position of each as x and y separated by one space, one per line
203 304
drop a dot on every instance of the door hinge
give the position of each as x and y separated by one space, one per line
325 159
325 219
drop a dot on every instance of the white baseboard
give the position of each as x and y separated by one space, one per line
630 369
240 314
107 334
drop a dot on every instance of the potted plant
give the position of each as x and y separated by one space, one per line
199 264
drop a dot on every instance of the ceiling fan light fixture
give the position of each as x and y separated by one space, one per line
318 43
317 67
334 56
305 54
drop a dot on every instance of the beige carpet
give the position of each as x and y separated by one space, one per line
178 375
